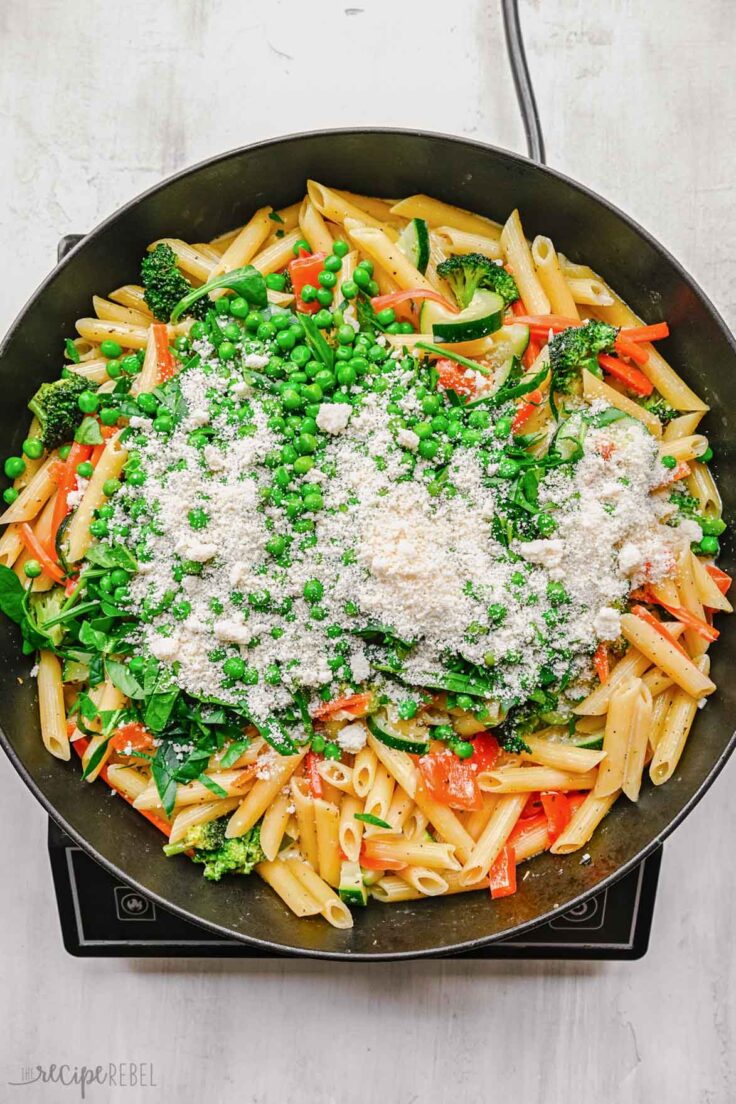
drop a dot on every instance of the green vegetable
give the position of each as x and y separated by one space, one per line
658 406
218 854
164 286
247 283
576 348
369 818
56 405
470 272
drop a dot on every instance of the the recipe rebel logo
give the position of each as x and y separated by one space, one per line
118 1075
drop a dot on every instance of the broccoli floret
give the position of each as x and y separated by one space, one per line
56 405
658 406
164 286
578 347
465 274
218 854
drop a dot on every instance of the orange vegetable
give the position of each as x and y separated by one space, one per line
452 377
631 350
164 359
632 378
720 578
690 621
403 302
601 664
80 746
355 704
655 332
526 409
650 619
66 483
503 873
486 751
39 552
557 810
314 779
450 780
371 862
305 269
132 735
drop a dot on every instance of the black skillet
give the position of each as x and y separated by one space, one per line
216 196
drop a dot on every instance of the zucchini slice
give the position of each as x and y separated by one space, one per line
414 244
352 889
415 740
593 741
483 315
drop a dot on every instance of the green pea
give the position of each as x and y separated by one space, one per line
164 423
233 667
324 297
253 321
386 316
198 518
9 495
275 281
313 501
119 577
479 419
291 398
333 264
110 348
502 427
239 307
423 430
109 416
340 248
546 524
308 294
288 454
323 319
88 402
232 331
669 461
32 569
405 328
197 331
131 365
312 392
301 246
136 478
285 340
556 593
114 369
276 546
345 334
300 355
407 709
313 590
147 402
64 451
361 277
427 449
318 743
85 469
367 266
306 443
33 448
372 289
462 748
709 546
707 456
226 349
349 289
508 468
470 437
431 404
111 487
346 374
99 528
14 466
303 464
181 343
222 306
265 331
496 613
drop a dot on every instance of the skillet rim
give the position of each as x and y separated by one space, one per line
387 956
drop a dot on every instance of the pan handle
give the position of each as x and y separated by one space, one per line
522 81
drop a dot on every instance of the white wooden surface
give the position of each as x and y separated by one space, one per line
98 101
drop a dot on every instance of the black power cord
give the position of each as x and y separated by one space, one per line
522 81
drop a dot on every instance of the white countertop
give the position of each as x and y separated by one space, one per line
97 102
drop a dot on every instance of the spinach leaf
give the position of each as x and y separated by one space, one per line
234 752
158 709
121 676
212 786
11 595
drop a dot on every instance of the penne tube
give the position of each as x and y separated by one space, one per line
457 241
675 729
255 803
336 207
517 780
594 388
304 806
327 821
707 591
380 209
429 883
401 810
289 888
277 255
109 466
372 241
660 707
335 911
583 823
563 756
130 337
34 495
191 816
314 228
500 825
246 244
688 598
234 782
701 485
589 292
436 213
656 682
339 775
11 546
679 667
637 743
188 259
351 830
114 312
476 821
554 285
133 296
684 448
416 824
378 798
620 723
51 705
392 888
127 781
94 370
364 771
435 856
683 426
519 260
634 663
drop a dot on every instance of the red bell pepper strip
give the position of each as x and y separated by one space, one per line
557 810
355 704
575 800
650 619
656 332
630 349
720 578
486 751
532 808
375 862
305 269
399 300
635 380
531 352
80 746
66 483
164 359
313 776
97 452
39 552
601 663
132 735
503 874
689 620
525 411
450 780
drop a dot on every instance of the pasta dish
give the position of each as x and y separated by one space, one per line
369 548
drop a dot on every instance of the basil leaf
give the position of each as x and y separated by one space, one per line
234 752
158 710
121 676
11 595
369 818
212 786
163 767
89 432
274 733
